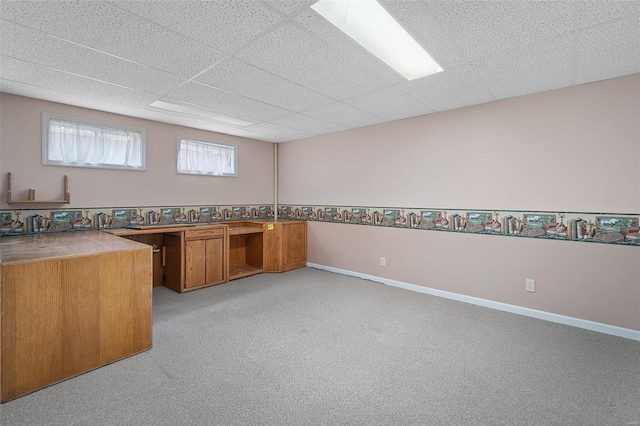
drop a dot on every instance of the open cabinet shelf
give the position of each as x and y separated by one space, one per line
32 194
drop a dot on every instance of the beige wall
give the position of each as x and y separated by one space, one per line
575 149
20 146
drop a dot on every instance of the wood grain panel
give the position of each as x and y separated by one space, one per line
237 251
195 263
254 250
173 268
215 270
273 248
66 316
294 243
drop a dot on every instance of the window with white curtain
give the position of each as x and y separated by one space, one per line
77 142
206 158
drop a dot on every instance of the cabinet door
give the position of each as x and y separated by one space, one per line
214 271
294 245
196 263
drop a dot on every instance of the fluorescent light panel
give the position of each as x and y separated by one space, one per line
195 112
368 23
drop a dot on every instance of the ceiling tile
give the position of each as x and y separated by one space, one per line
308 124
110 29
226 103
482 28
344 115
293 54
455 88
598 11
223 25
289 6
239 77
609 50
33 46
416 18
279 131
338 40
40 76
545 66
390 104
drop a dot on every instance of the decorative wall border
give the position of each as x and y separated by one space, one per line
605 228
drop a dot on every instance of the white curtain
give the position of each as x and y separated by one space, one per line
87 144
205 158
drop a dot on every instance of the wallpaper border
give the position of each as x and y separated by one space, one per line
604 228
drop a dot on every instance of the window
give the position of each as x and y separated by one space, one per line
206 158
77 142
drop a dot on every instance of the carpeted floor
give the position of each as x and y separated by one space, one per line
313 347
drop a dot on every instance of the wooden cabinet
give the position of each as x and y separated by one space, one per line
285 246
71 302
205 262
245 249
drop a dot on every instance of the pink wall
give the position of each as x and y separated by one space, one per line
575 149
20 148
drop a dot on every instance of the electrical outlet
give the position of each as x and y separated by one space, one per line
530 285
383 261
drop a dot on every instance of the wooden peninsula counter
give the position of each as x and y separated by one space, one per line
71 302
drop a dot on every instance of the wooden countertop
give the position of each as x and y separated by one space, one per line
30 248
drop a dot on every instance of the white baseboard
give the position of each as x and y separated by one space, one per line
547 316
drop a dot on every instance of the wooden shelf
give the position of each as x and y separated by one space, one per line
240 271
32 194
243 230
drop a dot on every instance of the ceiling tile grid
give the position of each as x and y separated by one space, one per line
277 130
279 64
344 115
308 124
609 50
533 69
226 103
417 19
223 25
109 29
483 28
389 103
33 46
297 56
236 76
456 88
338 40
40 76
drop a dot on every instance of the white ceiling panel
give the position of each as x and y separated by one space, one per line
223 25
416 18
390 104
226 103
66 97
308 124
110 29
609 50
455 88
344 115
339 41
236 76
33 46
297 56
289 6
534 69
598 11
40 76
279 64
277 130
483 28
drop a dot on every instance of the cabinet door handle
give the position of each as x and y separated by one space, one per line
164 255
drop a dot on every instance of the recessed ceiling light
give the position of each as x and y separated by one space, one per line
195 112
368 23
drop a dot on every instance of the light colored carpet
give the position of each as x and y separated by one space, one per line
313 347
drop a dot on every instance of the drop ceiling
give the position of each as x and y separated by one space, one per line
279 65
